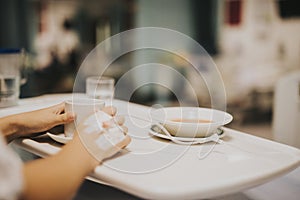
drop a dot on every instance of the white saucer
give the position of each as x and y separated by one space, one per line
61 138
194 140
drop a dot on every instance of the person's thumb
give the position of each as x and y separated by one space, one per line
66 118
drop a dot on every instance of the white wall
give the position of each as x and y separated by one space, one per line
256 53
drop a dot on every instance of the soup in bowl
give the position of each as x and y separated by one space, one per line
191 121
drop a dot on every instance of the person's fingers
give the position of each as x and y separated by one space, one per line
124 129
66 118
124 142
111 110
117 147
108 124
107 143
59 108
120 120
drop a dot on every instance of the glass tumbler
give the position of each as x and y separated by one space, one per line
100 87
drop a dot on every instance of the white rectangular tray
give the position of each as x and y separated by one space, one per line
159 169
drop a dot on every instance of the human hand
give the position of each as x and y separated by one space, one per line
44 119
41 120
103 135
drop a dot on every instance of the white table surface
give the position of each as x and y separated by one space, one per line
175 172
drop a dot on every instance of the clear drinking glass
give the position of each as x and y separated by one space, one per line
100 87
11 63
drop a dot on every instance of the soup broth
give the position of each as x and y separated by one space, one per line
192 120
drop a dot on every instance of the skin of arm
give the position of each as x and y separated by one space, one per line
58 176
28 123
24 124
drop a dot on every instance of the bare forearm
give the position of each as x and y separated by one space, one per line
14 126
59 176
8 128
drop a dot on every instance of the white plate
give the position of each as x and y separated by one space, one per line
195 140
61 138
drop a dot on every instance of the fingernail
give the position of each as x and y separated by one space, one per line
71 115
108 124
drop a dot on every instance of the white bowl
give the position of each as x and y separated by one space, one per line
191 122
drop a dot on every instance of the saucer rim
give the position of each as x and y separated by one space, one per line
184 139
60 138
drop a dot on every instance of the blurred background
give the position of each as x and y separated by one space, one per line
254 43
